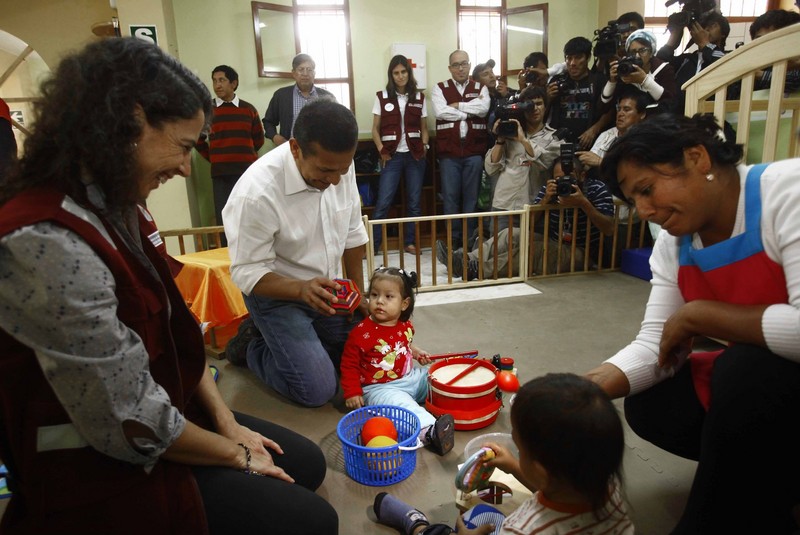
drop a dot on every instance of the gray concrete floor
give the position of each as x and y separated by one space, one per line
573 324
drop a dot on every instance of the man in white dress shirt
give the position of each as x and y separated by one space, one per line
460 106
292 220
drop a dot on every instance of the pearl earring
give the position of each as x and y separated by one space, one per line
709 177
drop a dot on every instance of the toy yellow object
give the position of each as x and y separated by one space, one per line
385 462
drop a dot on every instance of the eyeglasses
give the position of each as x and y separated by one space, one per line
461 65
640 51
304 70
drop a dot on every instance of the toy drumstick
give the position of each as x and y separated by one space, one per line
463 373
472 353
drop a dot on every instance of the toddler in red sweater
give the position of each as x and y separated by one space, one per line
378 360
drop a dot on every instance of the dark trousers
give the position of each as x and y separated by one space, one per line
222 186
236 502
747 445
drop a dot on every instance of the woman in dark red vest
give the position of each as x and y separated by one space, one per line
109 419
726 265
401 136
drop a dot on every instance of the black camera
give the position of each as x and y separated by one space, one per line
690 12
609 39
562 82
530 77
564 183
628 64
511 110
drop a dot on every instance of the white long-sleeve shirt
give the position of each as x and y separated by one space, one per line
275 222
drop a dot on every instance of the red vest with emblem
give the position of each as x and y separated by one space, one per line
412 122
78 489
736 271
448 133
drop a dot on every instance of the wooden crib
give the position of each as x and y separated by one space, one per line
766 121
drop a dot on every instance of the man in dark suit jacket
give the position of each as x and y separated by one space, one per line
709 33
287 102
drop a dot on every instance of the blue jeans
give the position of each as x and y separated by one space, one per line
300 349
401 163
461 180
407 392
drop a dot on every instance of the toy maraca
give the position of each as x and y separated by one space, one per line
475 472
348 297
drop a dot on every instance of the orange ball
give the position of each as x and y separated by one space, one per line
507 381
378 426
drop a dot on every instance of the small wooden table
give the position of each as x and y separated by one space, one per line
206 285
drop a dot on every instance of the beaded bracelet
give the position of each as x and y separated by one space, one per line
247 458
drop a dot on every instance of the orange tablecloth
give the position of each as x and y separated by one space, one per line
206 285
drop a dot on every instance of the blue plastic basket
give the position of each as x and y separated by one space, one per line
380 466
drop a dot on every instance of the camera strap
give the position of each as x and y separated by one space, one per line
655 72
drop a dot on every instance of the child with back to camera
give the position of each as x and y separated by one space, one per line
377 361
571 443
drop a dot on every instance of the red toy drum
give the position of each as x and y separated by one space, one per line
465 388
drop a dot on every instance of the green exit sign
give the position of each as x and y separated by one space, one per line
145 32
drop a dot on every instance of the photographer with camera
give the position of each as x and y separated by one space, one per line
573 189
632 108
519 162
576 96
709 30
521 158
641 70
609 43
498 91
535 70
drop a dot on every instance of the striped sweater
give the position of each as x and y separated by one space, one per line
233 141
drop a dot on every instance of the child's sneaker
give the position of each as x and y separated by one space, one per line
441 435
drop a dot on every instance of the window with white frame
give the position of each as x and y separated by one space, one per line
319 28
479 30
488 30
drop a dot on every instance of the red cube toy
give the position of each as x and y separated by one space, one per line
348 297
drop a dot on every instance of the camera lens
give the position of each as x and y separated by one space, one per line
507 129
564 186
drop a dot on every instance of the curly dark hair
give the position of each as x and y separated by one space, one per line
569 425
662 139
86 124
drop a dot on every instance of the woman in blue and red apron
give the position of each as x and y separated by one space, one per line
726 266
401 137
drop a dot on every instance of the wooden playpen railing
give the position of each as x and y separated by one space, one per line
774 50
